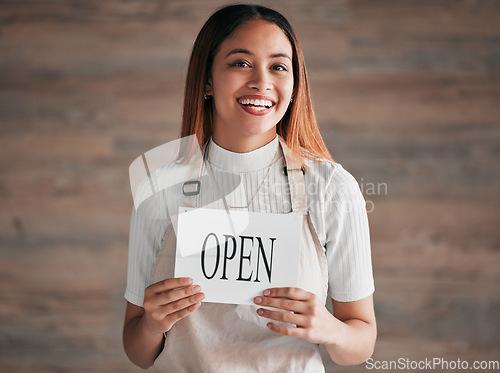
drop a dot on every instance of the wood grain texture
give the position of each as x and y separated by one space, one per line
406 94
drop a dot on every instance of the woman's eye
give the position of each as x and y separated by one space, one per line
239 64
279 68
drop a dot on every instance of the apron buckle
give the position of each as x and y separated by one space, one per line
285 170
191 192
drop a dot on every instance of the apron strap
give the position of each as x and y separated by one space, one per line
296 182
191 189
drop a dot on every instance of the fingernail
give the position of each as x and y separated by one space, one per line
196 288
257 300
266 292
188 281
260 312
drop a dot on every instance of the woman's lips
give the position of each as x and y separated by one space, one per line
256 105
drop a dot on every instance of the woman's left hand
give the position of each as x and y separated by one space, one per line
313 321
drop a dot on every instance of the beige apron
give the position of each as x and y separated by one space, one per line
233 338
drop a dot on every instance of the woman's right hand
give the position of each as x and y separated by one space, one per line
169 301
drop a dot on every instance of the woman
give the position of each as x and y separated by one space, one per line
247 100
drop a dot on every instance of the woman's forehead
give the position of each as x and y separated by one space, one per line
258 36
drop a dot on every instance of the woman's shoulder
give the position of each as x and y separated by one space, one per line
331 177
325 168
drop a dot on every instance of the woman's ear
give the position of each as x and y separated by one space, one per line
208 88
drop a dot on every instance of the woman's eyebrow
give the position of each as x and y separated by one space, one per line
277 55
239 50
246 51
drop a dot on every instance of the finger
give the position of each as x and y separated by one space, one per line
288 292
164 298
181 304
180 314
169 284
286 330
168 321
282 303
162 313
286 317
177 294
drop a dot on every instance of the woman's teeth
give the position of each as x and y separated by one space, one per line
257 104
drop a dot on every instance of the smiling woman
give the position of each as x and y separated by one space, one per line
251 85
298 125
247 101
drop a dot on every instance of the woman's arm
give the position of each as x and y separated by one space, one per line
141 348
356 343
165 303
349 335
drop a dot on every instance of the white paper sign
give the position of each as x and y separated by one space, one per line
235 255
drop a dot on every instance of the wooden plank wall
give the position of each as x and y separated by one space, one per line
407 95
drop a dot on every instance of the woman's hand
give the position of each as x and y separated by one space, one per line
169 301
165 303
313 321
348 335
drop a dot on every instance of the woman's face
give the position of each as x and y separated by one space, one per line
251 85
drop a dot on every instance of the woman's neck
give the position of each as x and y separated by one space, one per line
243 144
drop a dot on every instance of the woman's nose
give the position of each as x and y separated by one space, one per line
260 79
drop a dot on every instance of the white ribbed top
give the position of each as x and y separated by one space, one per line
334 200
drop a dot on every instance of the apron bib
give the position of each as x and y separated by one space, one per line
233 338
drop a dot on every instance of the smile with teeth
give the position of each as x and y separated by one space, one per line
256 104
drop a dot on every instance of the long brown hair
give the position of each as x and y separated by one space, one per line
298 127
